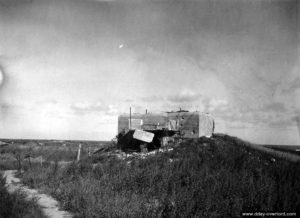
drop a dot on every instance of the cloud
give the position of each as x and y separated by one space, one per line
106 0
217 103
87 107
275 107
292 86
1 76
231 59
91 108
298 124
236 124
14 3
112 110
128 100
184 96
282 122
4 110
153 98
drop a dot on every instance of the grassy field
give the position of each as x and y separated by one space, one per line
217 177
16 206
293 149
15 154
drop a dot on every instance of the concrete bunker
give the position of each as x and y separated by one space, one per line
137 132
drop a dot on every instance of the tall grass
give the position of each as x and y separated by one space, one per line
16 205
218 177
16 156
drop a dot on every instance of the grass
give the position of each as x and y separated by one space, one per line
16 206
218 177
292 149
15 155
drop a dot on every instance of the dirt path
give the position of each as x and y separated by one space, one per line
49 205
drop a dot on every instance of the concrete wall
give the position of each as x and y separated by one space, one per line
206 125
187 123
149 121
190 124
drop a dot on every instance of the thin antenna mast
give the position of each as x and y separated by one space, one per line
130 118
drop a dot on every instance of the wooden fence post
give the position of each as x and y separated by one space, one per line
79 151
29 160
41 159
89 152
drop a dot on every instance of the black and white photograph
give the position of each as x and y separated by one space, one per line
149 108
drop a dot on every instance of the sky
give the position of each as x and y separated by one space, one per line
68 68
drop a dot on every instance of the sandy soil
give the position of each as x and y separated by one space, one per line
49 205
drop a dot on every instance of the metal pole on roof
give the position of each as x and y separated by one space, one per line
129 118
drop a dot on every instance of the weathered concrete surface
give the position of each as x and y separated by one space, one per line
49 205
